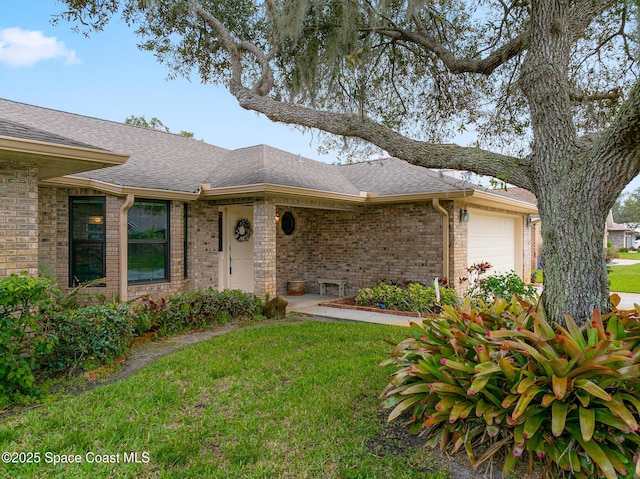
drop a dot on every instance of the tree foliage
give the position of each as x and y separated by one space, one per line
426 69
627 208
153 124
550 86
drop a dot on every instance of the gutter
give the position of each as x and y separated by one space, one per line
71 182
124 247
445 236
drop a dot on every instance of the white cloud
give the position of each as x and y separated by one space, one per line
25 48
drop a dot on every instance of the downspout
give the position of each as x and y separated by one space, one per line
124 246
445 237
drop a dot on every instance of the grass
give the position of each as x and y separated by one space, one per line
635 256
625 278
295 400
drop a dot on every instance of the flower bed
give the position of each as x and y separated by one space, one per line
350 303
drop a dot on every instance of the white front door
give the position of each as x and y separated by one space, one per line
240 247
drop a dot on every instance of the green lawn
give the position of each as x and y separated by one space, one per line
635 256
625 278
295 400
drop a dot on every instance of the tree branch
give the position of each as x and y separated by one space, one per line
266 81
617 153
429 155
579 97
428 42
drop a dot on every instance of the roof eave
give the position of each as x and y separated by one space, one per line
486 198
55 159
119 190
274 189
361 198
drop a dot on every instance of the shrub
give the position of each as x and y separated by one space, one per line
503 286
22 331
93 334
58 300
499 378
146 313
415 297
199 309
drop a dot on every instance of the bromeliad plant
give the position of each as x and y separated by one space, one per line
499 380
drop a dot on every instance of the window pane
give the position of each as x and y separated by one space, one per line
147 261
88 262
148 220
87 222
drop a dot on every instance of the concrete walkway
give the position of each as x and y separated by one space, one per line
627 300
308 305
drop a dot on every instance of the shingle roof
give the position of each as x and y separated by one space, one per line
391 176
18 130
265 164
166 161
158 160
522 194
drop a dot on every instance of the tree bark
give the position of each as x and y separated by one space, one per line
575 274
567 173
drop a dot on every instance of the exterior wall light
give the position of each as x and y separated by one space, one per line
464 216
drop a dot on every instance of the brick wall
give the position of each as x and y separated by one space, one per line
458 231
18 218
203 246
393 242
202 241
54 237
363 244
264 247
617 239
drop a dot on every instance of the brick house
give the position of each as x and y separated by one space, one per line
158 213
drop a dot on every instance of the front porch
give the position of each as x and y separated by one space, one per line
309 305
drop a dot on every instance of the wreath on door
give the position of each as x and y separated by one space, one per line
243 230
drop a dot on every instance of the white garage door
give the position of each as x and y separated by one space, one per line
492 238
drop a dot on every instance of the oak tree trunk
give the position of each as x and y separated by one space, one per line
575 274
573 217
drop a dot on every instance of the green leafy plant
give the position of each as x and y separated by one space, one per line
199 309
499 378
58 300
414 297
23 331
90 336
504 286
146 313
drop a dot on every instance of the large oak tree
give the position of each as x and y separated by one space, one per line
548 85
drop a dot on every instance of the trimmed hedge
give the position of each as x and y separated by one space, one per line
200 309
93 333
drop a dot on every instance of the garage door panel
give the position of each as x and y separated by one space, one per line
492 238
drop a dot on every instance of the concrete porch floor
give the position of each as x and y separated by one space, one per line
307 304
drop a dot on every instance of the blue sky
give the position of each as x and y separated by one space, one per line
106 76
